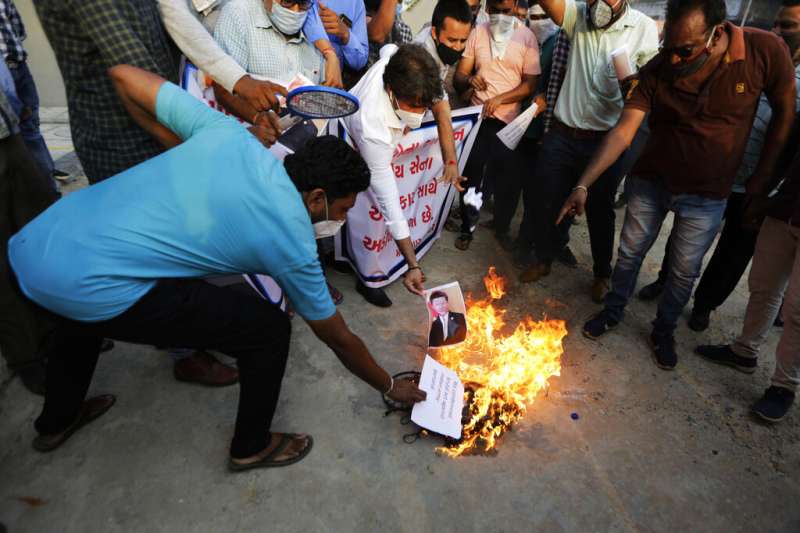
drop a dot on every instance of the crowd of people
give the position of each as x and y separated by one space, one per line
700 121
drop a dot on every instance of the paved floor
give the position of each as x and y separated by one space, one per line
651 451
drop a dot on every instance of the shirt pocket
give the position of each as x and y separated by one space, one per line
604 79
311 66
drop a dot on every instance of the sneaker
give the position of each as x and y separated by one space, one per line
566 257
664 351
652 291
535 272
599 325
723 355
699 320
774 405
376 297
600 289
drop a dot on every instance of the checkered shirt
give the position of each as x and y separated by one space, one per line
12 33
557 73
8 120
88 37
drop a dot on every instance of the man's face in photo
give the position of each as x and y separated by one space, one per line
441 306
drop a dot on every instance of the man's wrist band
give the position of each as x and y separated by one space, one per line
452 162
582 188
391 385
416 267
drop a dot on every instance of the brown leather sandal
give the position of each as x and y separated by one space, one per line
92 409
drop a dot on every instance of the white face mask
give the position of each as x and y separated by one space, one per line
287 21
602 13
327 228
501 26
409 118
543 29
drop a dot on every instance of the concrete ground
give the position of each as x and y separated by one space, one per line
651 450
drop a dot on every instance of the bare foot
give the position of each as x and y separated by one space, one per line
293 449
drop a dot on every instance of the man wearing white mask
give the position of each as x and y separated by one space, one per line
588 106
394 94
501 64
264 37
170 220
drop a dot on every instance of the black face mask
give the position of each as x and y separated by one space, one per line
687 69
792 40
447 54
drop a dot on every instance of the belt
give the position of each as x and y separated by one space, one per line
579 134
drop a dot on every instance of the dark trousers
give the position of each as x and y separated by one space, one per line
562 159
185 313
487 162
24 193
728 263
527 154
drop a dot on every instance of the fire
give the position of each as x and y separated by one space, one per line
501 374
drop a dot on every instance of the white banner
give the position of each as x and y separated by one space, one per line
365 242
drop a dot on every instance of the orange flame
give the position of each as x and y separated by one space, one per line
502 374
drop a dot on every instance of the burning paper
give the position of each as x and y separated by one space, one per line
441 411
512 134
502 373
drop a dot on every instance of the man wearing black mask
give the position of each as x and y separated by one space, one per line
445 40
702 92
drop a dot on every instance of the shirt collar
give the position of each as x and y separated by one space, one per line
736 47
263 22
625 21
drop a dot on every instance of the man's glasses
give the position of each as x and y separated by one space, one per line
304 5
685 52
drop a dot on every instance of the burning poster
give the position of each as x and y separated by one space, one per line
441 411
447 323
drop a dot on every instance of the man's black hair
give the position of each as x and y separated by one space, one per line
495 2
439 294
522 3
790 3
330 164
413 76
713 10
372 6
454 9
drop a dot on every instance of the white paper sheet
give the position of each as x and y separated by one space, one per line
441 411
512 134
622 62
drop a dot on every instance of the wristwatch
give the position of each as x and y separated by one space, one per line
346 21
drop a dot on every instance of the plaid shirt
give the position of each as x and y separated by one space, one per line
401 34
8 120
88 37
557 73
12 33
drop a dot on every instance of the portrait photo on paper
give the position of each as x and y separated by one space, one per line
447 315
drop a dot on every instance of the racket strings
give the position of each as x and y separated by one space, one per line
321 105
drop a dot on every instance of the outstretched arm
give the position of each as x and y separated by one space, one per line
138 91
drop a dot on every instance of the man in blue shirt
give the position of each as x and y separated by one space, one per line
217 203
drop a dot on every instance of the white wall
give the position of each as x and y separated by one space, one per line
41 60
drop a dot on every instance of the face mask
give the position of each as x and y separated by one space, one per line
447 54
327 228
410 119
542 29
602 14
501 26
683 70
287 21
792 40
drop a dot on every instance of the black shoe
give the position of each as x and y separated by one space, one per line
506 242
523 258
376 297
106 346
699 320
652 291
566 257
599 325
32 376
774 405
723 355
664 351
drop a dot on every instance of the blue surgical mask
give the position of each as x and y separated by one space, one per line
287 21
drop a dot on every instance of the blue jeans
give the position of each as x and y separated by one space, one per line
26 105
697 221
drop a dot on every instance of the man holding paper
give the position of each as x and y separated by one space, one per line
588 106
501 64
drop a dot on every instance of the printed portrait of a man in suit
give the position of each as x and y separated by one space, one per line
447 327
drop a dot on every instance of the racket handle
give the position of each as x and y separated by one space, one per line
288 121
